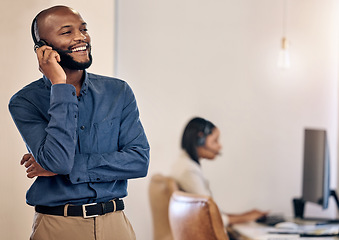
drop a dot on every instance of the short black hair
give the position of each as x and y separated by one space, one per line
194 135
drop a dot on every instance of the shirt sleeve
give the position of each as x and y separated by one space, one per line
47 138
130 161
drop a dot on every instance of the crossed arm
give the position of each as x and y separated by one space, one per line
127 158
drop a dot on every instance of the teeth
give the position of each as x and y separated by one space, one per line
79 49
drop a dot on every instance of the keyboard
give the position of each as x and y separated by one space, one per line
271 220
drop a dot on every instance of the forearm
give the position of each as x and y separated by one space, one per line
234 219
119 165
251 215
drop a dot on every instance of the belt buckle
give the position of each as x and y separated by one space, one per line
84 211
114 205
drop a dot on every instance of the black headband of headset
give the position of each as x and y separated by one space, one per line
33 30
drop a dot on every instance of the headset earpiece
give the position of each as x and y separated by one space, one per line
202 139
39 44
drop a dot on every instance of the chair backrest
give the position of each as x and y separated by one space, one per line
195 217
160 191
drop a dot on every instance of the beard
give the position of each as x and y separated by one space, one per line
67 61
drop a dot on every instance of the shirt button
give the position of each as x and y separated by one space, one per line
73 93
82 127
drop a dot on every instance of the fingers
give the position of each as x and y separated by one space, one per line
58 58
41 51
25 158
31 175
46 55
29 162
50 55
32 170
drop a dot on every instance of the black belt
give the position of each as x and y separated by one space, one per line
86 210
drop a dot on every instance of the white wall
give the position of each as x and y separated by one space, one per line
218 59
18 66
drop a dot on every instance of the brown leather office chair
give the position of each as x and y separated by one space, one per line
195 217
160 191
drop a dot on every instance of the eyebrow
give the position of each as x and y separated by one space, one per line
68 26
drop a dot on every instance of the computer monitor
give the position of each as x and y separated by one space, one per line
316 173
316 169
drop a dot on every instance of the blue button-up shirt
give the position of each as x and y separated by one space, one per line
94 141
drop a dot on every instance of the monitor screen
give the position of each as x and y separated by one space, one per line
316 170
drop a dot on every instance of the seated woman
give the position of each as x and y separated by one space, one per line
200 140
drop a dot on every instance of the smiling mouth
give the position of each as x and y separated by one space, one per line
79 49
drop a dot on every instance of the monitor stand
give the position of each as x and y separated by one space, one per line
299 205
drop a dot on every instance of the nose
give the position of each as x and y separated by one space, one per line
79 36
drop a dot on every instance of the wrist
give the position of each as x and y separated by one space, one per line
58 81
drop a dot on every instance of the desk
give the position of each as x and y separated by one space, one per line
255 231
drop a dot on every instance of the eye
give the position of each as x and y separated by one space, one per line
64 33
84 30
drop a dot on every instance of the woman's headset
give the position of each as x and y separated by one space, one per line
202 139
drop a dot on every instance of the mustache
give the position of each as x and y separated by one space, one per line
63 51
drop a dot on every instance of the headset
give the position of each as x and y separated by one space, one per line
202 139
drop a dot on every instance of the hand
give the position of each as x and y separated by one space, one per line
33 169
49 64
246 216
253 215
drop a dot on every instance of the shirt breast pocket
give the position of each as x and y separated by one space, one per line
106 135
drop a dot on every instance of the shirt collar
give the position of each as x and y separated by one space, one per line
84 86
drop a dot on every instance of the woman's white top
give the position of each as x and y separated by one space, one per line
190 178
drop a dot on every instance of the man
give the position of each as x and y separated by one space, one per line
83 133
